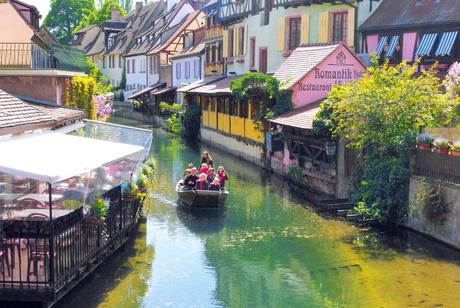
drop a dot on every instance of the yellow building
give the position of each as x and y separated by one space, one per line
226 122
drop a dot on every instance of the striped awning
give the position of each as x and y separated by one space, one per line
382 42
426 44
392 47
446 44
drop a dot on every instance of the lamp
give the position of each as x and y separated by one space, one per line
331 148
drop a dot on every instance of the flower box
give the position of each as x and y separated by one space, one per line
424 146
455 152
444 151
230 62
240 61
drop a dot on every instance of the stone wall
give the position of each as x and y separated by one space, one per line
243 150
445 229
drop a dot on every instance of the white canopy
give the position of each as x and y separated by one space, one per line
54 157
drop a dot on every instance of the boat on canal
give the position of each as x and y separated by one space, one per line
201 198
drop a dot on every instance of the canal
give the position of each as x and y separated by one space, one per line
267 248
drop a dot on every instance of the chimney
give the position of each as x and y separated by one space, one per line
139 6
115 14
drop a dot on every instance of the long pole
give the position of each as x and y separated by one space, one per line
51 271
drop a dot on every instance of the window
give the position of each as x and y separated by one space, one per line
220 55
263 60
241 41
208 54
213 54
243 109
226 103
252 52
133 69
196 69
255 109
177 70
150 59
339 26
213 105
103 62
230 43
187 70
143 66
129 67
234 106
294 32
120 61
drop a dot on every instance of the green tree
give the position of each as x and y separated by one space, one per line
380 115
104 13
65 15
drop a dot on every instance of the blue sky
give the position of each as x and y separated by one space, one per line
43 6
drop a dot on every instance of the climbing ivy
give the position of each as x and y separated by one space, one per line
273 98
80 94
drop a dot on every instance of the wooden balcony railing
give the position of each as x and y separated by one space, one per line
213 69
437 166
214 32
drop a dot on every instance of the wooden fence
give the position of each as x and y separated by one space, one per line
438 166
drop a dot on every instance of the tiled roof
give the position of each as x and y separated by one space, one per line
191 51
221 86
19 116
302 60
300 118
393 14
98 44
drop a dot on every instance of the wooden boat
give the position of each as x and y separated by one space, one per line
201 198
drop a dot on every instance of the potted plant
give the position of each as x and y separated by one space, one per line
424 142
98 212
455 149
141 183
127 192
441 146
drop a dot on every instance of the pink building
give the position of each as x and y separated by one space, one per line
310 72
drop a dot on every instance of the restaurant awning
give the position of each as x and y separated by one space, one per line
426 44
446 44
298 118
392 47
54 157
199 83
381 45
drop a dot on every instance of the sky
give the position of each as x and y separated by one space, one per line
43 7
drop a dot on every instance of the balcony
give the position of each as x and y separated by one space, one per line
30 56
212 69
213 32
233 10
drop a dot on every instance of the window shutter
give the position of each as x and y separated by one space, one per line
280 36
225 43
351 27
245 40
235 42
304 28
323 27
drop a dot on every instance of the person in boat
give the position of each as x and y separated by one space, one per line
222 175
202 184
206 159
210 175
190 167
215 184
204 168
191 179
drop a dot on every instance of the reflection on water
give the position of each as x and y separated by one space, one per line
265 249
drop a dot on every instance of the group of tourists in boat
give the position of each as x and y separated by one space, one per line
206 178
204 185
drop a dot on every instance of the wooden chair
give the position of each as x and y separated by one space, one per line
36 247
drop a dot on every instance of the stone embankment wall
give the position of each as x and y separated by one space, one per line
445 228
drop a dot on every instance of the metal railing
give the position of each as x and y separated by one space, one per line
25 56
30 264
30 56
438 166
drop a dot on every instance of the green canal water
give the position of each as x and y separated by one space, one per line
267 248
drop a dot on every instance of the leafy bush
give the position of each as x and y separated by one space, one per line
296 173
191 122
99 208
